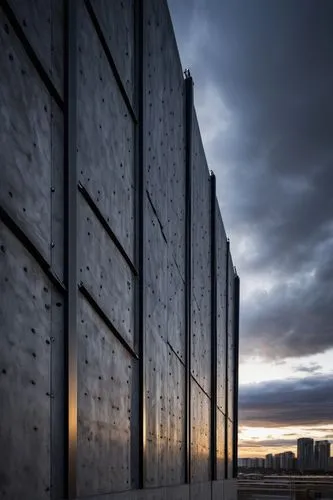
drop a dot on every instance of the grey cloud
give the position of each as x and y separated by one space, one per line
302 402
267 443
271 62
311 368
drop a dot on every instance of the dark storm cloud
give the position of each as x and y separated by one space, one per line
290 402
272 65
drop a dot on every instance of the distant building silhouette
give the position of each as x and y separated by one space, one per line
269 461
322 452
305 456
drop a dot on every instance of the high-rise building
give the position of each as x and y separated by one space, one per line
269 461
330 464
305 454
322 452
277 461
287 460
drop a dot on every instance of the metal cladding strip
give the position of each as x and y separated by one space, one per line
70 188
110 60
92 301
32 54
188 265
226 356
236 359
27 243
213 327
140 236
107 228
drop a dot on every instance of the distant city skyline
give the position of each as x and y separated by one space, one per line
311 456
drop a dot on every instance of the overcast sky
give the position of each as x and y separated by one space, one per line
263 74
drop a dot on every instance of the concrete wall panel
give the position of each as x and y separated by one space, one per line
58 393
42 23
200 218
105 136
230 489
217 490
116 20
220 444
200 491
157 417
176 431
230 448
176 310
165 375
231 342
221 251
25 142
57 192
156 277
105 273
164 113
105 373
25 377
201 346
201 268
200 434
176 202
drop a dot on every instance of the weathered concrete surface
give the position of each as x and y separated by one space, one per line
105 272
220 444
116 20
106 145
200 434
201 270
25 377
221 258
105 374
42 23
231 343
25 142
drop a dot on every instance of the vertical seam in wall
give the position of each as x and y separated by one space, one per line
188 269
226 358
70 190
213 327
236 360
51 265
141 241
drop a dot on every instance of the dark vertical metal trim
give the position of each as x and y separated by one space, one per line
70 190
188 267
213 272
236 363
140 179
226 357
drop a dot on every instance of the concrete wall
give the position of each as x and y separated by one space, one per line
141 390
